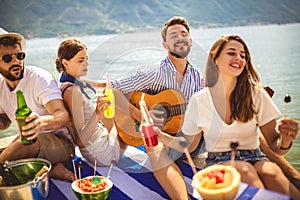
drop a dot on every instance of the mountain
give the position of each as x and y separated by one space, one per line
52 18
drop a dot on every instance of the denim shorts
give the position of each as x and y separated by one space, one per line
251 156
175 155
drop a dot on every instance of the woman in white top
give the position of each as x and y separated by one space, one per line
95 135
235 106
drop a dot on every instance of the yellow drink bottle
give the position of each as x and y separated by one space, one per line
110 110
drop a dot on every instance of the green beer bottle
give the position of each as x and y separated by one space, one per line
22 112
7 177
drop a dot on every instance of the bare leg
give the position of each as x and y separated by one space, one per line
290 172
170 178
16 150
248 173
274 179
114 133
167 173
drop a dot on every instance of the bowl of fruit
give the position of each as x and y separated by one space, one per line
92 187
217 182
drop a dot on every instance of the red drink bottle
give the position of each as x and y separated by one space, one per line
148 132
149 135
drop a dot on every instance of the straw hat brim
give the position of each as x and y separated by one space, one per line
18 37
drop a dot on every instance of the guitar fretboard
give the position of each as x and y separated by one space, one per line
175 110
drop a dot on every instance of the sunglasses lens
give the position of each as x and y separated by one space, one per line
7 58
21 56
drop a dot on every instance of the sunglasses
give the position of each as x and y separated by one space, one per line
8 57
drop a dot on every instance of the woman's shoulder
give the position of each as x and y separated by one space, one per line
70 89
261 98
65 85
37 75
203 92
201 96
261 93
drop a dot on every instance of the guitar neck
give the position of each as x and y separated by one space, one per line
175 110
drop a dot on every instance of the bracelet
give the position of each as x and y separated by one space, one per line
282 148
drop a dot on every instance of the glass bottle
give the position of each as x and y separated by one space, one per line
147 126
8 177
110 110
22 112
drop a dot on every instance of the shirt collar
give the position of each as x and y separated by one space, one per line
67 78
170 64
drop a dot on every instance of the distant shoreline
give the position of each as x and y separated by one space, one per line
208 26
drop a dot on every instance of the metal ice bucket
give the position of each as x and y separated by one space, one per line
31 187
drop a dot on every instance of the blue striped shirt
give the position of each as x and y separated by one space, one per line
161 78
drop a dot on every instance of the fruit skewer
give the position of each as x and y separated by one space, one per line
184 144
287 99
233 145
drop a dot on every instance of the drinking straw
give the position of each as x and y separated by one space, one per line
143 95
110 168
74 168
107 81
95 163
79 169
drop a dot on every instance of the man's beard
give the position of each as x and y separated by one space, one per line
178 55
181 54
10 76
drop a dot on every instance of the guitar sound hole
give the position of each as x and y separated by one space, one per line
136 125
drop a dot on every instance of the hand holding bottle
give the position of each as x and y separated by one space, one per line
32 127
110 109
22 113
102 103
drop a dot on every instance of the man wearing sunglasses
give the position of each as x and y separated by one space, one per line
49 116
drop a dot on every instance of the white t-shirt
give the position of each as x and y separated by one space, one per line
201 115
38 86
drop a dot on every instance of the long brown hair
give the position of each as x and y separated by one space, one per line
241 103
67 50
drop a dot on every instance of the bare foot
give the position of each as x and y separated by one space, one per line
59 171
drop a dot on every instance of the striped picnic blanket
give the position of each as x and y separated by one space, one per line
133 179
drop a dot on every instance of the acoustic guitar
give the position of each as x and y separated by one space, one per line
170 101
